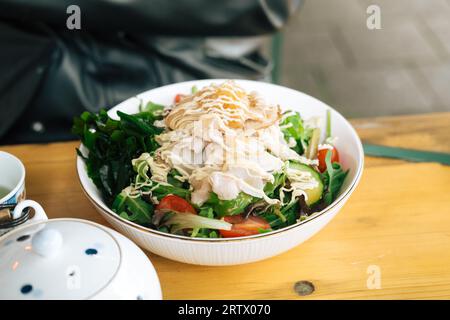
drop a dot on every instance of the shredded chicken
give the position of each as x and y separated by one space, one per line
223 140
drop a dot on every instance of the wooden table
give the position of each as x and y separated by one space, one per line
397 221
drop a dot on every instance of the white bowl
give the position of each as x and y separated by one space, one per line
232 251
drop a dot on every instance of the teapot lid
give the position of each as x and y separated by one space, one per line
57 259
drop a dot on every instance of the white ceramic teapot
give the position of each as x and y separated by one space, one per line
73 259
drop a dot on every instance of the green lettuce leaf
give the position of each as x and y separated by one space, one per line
293 128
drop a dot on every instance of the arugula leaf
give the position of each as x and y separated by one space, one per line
280 218
333 179
133 209
163 190
204 233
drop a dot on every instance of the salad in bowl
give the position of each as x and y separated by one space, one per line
217 162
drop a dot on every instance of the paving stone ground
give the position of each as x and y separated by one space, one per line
404 68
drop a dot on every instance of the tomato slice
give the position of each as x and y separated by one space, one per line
175 203
244 227
321 155
178 97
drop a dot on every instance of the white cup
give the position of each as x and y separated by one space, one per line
12 178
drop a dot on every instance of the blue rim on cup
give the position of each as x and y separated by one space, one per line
14 209
12 177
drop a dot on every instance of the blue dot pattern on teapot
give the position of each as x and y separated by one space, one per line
26 289
91 251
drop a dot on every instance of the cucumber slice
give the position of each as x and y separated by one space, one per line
314 195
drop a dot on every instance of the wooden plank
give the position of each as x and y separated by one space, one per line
398 219
427 132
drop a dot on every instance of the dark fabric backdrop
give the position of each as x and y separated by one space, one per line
49 74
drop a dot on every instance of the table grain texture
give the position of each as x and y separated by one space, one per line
396 222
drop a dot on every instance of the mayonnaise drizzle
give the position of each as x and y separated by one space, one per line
223 140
